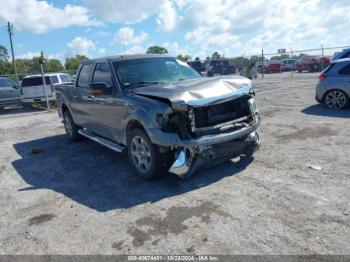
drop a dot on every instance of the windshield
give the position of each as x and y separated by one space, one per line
148 71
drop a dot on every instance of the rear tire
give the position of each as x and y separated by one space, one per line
70 127
336 99
145 157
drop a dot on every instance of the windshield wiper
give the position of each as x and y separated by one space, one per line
142 83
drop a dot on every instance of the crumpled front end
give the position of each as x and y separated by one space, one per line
192 158
210 132
210 119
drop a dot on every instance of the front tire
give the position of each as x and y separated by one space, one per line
144 156
336 99
70 127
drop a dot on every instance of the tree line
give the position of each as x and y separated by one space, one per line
32 65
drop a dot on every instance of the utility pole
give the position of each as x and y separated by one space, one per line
322 58
10 32
41 61
262 63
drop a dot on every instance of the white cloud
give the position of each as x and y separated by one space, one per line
121 11
167 16
248 26
28 55
126 36
80 45
102 51
175 49
40 16
137 49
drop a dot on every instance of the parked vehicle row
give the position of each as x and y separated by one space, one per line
31 89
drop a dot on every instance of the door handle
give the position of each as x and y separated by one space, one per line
91 98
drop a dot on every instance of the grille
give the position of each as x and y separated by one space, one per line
220 113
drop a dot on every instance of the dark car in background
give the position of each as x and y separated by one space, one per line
221 67
9 93
198 66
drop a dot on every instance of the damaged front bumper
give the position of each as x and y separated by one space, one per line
190 159
198 152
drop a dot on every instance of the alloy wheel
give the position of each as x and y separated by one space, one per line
335 99
141 154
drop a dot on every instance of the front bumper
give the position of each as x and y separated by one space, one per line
161 138
188 161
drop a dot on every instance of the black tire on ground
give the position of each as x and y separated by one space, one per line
299 70
336 99
70 127
145 157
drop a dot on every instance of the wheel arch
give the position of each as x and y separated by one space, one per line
335 89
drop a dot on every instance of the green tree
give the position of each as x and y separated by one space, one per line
156 50
3 53
72 63
184 58
53 65
240 61
254 59
216 55
197 59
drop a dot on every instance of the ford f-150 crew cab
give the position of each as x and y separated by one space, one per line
165 114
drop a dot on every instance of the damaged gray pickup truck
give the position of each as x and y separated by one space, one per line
167 116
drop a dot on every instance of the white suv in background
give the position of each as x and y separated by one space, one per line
33 90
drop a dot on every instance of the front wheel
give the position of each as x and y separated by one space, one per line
336 99
70 127
144 156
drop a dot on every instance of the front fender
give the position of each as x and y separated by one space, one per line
145 114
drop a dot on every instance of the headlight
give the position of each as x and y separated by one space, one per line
160 120
252 105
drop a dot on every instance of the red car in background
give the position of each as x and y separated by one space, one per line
312 63
273 66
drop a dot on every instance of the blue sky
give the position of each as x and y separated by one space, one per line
195 27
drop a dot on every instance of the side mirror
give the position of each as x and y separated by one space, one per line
15 86
100 88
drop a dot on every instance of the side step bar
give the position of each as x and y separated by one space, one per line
105 142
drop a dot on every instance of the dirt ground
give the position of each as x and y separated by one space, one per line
81 198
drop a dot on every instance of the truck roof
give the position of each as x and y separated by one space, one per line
125 57
46 74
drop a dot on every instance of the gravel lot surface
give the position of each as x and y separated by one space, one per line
81 198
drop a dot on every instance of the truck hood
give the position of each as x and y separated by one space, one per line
198 92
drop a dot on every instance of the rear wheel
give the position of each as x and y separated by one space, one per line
336 99
70 127
144 156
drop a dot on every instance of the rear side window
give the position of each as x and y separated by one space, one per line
35 81
84 76
102 74
65 78
345 70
